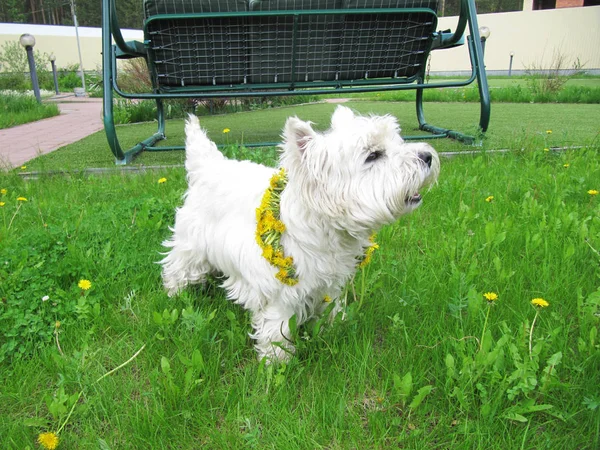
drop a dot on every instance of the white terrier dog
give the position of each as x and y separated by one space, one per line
287 240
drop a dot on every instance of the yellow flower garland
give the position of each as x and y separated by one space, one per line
269 229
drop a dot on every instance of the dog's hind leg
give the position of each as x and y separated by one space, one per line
182 267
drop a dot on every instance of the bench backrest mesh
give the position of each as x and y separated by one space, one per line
246 49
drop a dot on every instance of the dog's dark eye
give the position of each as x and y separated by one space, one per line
373 156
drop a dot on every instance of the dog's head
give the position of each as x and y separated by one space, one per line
360 174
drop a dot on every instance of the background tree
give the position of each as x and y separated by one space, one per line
450 7
58 12
129 12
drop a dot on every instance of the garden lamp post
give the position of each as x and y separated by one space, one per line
52 61
484 34
512 54
28 41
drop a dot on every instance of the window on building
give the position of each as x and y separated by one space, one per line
544 4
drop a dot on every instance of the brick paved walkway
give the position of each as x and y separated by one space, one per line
79 117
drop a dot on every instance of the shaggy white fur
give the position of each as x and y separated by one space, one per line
343 185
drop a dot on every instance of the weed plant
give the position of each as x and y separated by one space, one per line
505 94
16 109
420 358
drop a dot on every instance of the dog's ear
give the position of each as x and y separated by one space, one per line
297 134
342 117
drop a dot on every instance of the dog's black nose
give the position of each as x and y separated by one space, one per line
426 158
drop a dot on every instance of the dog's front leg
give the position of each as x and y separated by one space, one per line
272 333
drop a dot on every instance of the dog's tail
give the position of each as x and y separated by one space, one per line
197 145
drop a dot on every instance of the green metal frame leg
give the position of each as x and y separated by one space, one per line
477 62
108 50
125 157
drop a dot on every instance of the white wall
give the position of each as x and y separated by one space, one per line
534 37
61 41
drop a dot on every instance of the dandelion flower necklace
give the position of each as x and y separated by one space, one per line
269 229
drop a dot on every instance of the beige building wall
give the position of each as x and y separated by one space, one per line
535 37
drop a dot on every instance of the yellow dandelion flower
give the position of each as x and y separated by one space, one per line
540 303
327 299
2 204
162 180
23 167
369 252
290 281
284 263
490 296
566 165
548 131
366 260
546 149
266 201
489 199
288 262
267 252
282 274
259 240
3 191
275 181
266 223
48 440
21 199
84 284
279 226
226 130
592 192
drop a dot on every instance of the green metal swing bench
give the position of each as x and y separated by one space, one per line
255 48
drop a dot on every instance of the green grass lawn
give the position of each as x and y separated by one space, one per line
512 126
421 361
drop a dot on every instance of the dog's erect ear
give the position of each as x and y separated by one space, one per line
341 117
297 134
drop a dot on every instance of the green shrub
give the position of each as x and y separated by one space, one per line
12 81
14 59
